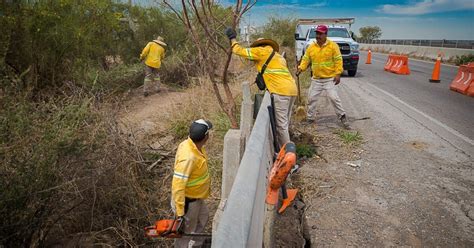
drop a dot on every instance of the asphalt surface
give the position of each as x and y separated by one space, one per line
434 99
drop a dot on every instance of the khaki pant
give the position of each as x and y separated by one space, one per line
195 221
317 86
283 109
152 80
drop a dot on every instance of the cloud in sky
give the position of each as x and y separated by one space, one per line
426 7
291 5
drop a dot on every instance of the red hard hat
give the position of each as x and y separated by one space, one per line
322 29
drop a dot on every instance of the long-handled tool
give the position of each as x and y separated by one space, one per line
170 229
300 110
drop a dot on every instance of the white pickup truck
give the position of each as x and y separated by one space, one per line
305 34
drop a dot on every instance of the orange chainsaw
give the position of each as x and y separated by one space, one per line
170 229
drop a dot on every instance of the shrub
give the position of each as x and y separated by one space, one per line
280 30
464 59
53 42
305 150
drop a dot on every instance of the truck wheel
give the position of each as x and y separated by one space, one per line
352 73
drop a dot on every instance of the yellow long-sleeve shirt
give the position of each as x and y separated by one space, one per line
191 176
277 76
325 60
153 53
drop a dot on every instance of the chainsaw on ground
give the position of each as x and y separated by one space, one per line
170 229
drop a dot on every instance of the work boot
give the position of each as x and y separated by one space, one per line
344 122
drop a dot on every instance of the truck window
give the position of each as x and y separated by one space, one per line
332 32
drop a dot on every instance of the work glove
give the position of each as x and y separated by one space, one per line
230 32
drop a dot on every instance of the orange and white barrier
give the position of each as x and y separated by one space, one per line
470 90
389 63
397 64
463 82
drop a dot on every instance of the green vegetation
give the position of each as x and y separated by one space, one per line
65 167
305 150
278 30
53 42
180 127
350 137
464 59
370 33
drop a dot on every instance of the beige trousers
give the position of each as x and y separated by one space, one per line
317 86
195 221
283 109
151 83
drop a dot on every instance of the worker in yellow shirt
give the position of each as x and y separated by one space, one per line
278 79
191 183
325 59
153 54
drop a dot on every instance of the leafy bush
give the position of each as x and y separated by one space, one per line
53 42
278 30
305 150
464 59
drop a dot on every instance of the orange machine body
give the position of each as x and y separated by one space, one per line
281 168
164 228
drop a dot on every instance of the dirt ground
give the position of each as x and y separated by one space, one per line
390 190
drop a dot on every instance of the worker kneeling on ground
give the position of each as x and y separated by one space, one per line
278 79
153 54
191 183
325 59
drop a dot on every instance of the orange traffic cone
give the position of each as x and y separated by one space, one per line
369 58
436 70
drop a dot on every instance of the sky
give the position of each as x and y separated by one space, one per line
403 19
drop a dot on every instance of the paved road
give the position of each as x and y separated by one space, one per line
454 110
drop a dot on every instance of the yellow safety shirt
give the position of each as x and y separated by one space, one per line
191 175
277 76
326 60
153 53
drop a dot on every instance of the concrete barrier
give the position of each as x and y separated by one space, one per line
243 216
417 51
235 141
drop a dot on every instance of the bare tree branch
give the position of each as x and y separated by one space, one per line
206 36
174 10
205 27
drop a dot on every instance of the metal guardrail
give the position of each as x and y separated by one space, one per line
243 219
463 44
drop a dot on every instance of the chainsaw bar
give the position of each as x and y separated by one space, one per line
151 232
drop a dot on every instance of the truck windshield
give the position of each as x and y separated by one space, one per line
332 32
